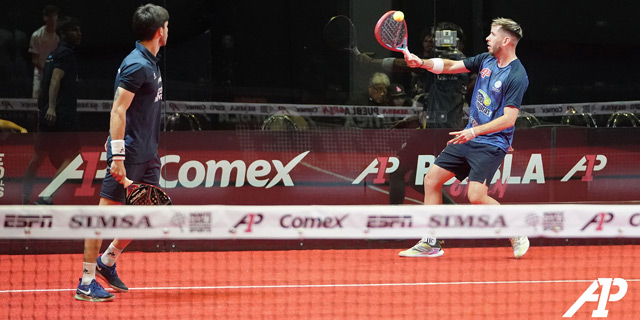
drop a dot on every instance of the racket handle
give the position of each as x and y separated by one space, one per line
127 182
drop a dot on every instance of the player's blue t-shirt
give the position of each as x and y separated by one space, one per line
495 89
140 74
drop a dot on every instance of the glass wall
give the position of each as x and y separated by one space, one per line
275 52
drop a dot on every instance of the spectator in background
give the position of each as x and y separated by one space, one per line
57 106
226 62
398 96
376 94
442 96
15 63
42 42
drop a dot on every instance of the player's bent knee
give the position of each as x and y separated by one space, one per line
476 196
431 184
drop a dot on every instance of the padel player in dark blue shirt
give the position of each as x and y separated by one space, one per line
478 151
132 148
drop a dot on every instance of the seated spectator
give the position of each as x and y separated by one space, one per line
376 94
398 96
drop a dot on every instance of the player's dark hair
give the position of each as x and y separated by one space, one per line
147 19
50 10
66 24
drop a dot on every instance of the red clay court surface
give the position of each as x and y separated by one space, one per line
465 283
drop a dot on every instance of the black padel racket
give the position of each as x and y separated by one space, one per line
340 34
142 194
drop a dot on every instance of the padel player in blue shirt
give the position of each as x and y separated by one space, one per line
478 151
133 142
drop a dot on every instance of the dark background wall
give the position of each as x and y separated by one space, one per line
574 51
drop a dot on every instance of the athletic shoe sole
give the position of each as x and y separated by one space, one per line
82 297
411 255
98 275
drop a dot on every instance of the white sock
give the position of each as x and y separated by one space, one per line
110 256
88 272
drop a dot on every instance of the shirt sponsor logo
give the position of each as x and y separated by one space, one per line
496 86
483 101
485 72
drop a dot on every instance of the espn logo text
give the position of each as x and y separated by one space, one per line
18 221
605 296
389 221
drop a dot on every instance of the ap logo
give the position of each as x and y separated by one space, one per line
602 298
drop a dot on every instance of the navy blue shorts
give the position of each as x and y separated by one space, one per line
478 161
146 172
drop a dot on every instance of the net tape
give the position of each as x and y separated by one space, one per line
540 110
320 222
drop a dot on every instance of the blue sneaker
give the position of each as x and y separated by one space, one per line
92 292
110 275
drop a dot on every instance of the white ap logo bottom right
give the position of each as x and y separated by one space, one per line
602 298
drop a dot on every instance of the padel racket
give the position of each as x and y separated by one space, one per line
142 194
392 34
340 34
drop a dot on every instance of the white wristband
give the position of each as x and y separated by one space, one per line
438 65
387 64
473 132
117 149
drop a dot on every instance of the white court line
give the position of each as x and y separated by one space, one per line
354 285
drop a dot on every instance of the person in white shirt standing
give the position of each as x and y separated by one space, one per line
42 42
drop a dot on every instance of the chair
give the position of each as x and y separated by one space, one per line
526 120
623 119
181 122
580 119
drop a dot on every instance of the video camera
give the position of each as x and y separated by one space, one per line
446 44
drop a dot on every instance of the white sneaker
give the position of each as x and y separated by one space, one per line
520 246
426 247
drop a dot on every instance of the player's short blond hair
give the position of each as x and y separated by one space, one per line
379 78
509 26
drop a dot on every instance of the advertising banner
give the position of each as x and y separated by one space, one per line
334 167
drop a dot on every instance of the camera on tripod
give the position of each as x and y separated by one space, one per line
446 44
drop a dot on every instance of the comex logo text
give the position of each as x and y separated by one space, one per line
590 296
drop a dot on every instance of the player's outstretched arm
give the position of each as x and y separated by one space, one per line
435 65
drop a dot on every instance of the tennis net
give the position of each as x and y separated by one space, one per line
319 262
